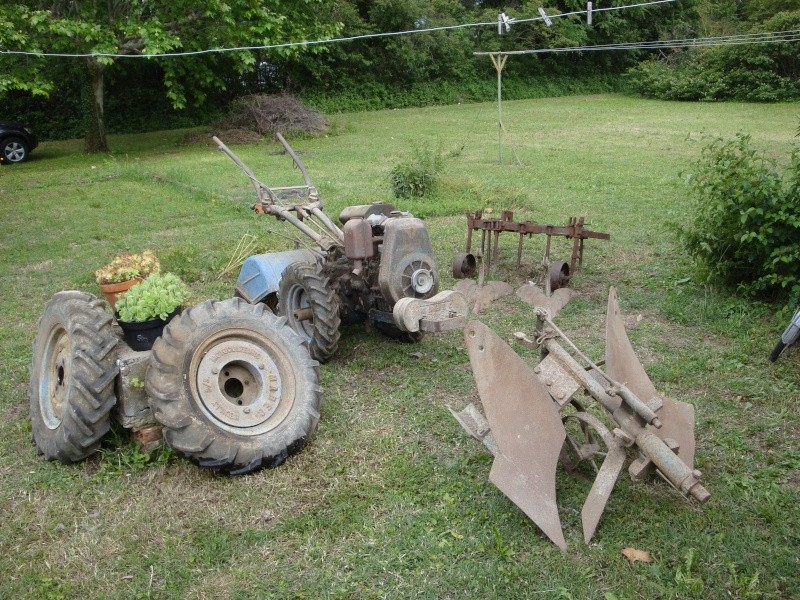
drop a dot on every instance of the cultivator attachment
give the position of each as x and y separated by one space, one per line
534 419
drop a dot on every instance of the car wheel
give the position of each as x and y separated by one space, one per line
14 150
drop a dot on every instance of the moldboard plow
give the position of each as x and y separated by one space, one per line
534 419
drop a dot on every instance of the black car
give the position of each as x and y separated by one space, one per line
16 143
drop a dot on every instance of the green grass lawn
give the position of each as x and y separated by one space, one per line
390 499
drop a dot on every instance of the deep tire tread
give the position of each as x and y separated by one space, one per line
89 394
188 430
324 305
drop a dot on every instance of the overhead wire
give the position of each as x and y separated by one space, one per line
770 37
318 42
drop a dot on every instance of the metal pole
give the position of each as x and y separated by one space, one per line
499 62
499 113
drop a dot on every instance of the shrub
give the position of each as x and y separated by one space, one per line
417 175
760 73
155 298
747 220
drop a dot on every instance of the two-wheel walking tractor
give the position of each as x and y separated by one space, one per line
233 384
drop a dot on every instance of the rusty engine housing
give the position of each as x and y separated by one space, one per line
391 253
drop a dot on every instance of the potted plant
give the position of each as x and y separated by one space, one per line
147 307
125 271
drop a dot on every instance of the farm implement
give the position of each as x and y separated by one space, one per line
233 385
535 418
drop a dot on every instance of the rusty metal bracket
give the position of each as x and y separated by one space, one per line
492 227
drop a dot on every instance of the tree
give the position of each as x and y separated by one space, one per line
142 28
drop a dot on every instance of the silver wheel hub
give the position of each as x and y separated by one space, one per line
55 377
15 152
238 384
297 301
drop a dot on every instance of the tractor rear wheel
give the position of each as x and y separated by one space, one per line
72 377
311 306
233 387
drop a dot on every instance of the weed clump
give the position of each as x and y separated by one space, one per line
418 173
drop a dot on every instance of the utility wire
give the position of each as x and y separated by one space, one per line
771 37
315 42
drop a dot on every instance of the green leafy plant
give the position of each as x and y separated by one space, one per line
155 298
747 220
417 174
686 578
128 266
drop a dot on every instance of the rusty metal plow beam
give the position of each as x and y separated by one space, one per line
533 419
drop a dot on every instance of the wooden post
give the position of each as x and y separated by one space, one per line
499 61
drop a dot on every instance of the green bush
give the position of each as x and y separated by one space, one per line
746 229
417 175
758 73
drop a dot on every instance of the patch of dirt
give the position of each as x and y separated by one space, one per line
42 266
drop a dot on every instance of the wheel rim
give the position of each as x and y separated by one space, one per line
587 440
298 300
242 382
14 151
56 368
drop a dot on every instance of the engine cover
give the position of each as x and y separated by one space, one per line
408 268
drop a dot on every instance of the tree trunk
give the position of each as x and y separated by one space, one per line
96 130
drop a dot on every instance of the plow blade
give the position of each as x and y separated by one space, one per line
606 478
622 365
526 426
552 304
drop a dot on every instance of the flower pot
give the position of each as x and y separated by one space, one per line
142 336
115 291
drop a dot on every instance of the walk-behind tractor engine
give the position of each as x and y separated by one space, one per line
378 267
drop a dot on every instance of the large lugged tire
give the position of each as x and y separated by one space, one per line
303 286
233 387
72 377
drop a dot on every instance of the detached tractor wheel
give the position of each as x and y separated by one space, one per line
72 377
233 387
311 307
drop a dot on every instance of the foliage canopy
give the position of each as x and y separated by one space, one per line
127 27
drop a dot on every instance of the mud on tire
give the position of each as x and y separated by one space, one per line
233 387
72 377
304 286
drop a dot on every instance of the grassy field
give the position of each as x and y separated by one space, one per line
390 499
